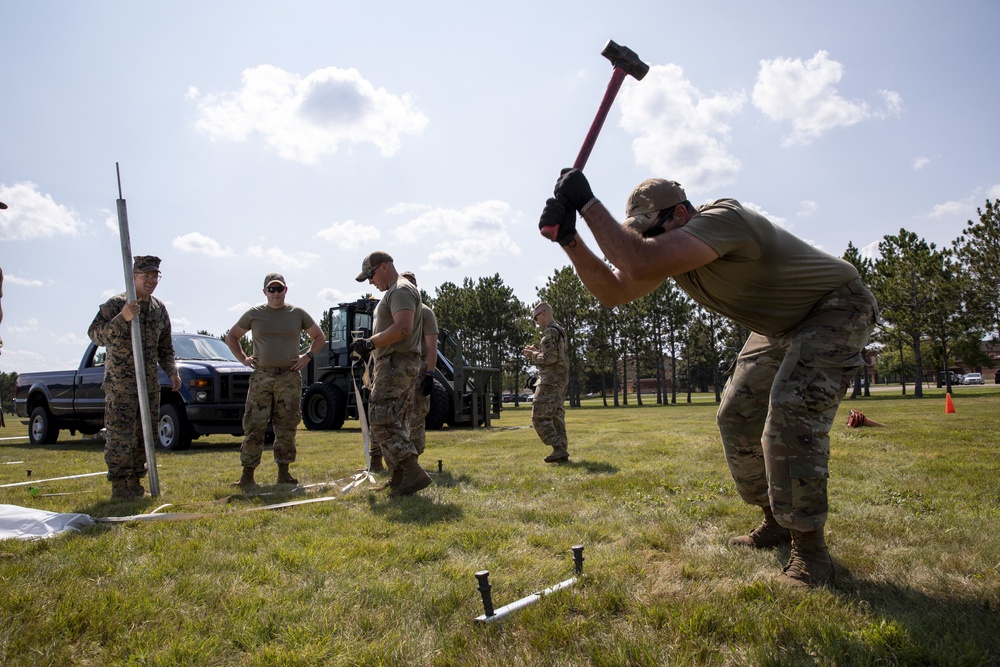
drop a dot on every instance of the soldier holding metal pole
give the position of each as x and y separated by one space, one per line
125 449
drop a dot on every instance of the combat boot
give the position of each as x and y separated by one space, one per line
284 477
395 479
246 479
120 491
810 564
557 456
136 488
765 536
376 464
412 478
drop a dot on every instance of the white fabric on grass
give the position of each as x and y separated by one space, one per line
23 523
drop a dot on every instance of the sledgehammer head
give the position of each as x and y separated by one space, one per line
625 58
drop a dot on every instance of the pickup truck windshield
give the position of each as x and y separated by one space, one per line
201 349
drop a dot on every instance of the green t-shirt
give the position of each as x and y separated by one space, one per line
765 278
401 296
429 328
276 332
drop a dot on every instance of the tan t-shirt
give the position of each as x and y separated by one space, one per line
765 278
430 326
401 296
276 332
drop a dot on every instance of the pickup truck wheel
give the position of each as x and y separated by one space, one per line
440 407
41 427
324 407
171 431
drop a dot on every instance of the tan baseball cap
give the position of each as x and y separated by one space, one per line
274 278
372 261
648 199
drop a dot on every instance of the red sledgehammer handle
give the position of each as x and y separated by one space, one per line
617 77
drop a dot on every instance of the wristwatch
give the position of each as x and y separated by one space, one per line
309 354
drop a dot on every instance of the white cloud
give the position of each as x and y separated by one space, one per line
180 324
804 94
33 215
681 134
74 339
111 222
241 307
951 209
993 192
807 207
349 235
281 261
307 118
196 242
920 162
871 251
31 324
462 237
24 282
781 222
334 295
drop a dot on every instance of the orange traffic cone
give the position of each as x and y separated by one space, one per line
949 407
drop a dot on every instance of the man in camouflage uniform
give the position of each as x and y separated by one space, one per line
424 380
124 444
276 382
810 315
547 413
395 345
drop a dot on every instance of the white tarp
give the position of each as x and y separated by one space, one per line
23 523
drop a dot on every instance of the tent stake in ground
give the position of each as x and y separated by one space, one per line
490 615
140 362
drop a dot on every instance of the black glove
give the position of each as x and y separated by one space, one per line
573 189
362 347
560 218
426 385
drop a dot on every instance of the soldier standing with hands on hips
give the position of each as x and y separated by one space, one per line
276 382
124 444
548 415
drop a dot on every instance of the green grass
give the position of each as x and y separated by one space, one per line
365 580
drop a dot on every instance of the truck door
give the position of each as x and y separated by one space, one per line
89 395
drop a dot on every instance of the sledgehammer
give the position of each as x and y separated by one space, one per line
625 62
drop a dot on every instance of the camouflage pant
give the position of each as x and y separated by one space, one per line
274 396
390 405
124 444
418 415
780 403
548 415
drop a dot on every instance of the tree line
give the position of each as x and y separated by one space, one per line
936 305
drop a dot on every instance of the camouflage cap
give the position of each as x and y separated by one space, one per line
409 276
540 308
274 278
144 263
372 261
648 199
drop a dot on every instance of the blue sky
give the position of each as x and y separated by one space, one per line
299 136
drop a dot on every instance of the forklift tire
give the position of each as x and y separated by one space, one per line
441 407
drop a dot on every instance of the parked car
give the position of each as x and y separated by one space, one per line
955 377
973 378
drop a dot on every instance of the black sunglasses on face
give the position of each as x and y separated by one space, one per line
275 289
371 274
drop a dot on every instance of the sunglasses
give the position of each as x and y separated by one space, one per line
275 289
371 274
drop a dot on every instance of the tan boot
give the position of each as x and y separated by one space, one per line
810 564
284 477
765 536
412 478
246 479
376 463
136 488
120 491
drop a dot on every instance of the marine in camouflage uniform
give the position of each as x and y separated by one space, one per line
124 445
548 415
424 382
276 382
395 345
810 315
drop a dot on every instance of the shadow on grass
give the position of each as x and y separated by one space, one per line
936 628
594 467
415 509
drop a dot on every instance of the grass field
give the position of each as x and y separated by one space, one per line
364 580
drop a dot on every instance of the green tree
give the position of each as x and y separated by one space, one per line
978 250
